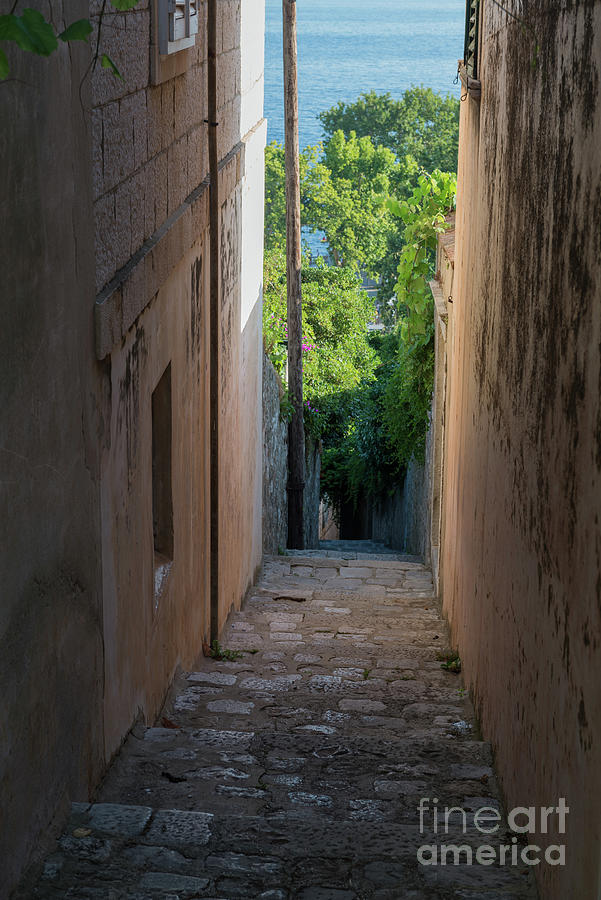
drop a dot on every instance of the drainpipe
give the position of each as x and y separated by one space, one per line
214 376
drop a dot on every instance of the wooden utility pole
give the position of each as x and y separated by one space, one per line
296 431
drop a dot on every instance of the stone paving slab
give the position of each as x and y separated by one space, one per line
295 770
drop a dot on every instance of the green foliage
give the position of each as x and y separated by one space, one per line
368 396
219 652
286 408
385 423
347 205
107 63
371 114
32 33
373 147
340 194
424 217
451 661
313 174
77 31
336 351
422 125
382 426
407 401
358 459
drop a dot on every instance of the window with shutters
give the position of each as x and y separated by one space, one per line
178 25
470 52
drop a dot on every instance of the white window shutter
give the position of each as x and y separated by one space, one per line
178 25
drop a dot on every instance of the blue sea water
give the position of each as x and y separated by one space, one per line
347 47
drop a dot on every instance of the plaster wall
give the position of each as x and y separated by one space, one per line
150 629
152 311
105 192
521 537
241 459
51 430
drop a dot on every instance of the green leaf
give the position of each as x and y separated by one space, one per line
30 32
107 63
124 4
77 31
9 28
4 70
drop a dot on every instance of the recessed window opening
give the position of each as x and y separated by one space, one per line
162 497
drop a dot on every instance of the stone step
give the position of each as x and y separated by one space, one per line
127 852
293 767
262 772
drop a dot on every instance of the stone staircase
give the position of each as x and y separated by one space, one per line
295 767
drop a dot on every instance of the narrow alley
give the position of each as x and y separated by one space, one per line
293 767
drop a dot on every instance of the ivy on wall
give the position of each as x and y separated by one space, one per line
31 32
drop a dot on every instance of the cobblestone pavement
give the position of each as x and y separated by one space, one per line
295 770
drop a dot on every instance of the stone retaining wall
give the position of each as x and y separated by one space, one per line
275 471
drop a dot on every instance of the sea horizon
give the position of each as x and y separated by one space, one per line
346 48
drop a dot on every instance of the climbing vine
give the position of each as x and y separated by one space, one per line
385 422
31 32
424 217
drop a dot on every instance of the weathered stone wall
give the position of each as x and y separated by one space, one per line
149 136
52 428
311 498
521 551
275 463
402 519
90 637
152 311
275 472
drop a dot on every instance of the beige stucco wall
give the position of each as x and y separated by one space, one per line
521 551
153 310
51 426
105 254
147 633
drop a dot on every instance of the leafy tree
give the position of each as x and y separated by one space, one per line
383 424
341 195
422 125
347 206
407 400
368 395
336 312
372 115
314 176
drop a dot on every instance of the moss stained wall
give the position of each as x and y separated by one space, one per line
521 552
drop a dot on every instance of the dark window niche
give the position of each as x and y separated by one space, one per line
162 497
